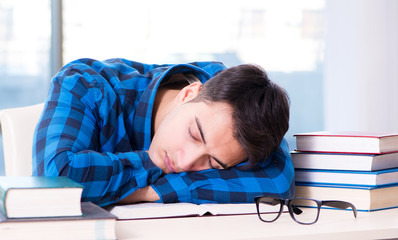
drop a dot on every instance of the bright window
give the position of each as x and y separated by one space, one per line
25 27
24 51
281 36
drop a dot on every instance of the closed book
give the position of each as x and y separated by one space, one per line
24 197
95 223
365 178
364 198
338 161
347 142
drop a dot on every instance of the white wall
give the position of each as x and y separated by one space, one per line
361 65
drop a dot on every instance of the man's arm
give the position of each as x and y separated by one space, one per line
81 135
106 177
146 194
275 178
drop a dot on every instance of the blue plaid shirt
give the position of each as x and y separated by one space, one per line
96 128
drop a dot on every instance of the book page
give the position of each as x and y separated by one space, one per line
163 210
230 208
156 210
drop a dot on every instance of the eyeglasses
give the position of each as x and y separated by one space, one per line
302 210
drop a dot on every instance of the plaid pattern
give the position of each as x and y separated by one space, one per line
274 178
96 127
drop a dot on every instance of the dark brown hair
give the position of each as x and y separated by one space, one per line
260 108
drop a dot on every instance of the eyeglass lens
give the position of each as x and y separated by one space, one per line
304 210
268 209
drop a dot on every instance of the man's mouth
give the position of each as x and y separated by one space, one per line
169 164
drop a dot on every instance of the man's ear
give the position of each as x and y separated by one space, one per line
188 92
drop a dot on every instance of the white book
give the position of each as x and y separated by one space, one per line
351 162
347 142
366 178
364 198
23 197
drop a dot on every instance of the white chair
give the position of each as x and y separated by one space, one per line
17 128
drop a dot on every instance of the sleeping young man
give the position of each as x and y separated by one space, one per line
133 132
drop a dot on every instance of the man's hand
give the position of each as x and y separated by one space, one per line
146 194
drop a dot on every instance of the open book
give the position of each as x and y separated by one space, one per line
165 210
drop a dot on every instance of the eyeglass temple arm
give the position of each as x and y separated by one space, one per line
340 205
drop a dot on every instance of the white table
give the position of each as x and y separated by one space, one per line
332 224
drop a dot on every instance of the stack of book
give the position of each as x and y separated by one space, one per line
358 167
50 208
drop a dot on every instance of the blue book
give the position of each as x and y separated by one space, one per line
364 198
28 197
365 178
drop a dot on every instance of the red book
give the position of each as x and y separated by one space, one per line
347 142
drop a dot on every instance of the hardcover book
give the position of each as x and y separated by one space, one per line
350 162
364 198
24 197
95 223
365 178
347 142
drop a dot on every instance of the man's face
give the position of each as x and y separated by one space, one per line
196 136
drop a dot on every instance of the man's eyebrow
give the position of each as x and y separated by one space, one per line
204 141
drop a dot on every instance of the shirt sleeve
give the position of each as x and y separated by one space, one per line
274 178
67 140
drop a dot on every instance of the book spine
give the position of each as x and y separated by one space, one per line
3 193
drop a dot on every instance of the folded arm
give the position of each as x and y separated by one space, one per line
275 178
74 138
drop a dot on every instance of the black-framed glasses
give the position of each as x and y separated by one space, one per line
302 210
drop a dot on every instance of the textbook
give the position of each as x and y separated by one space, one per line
95 223
167 210
374 178
350 162
364 198
23 197
347 142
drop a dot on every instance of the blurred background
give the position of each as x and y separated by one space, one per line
336 58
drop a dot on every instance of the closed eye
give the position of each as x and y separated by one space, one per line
217 166
196 139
